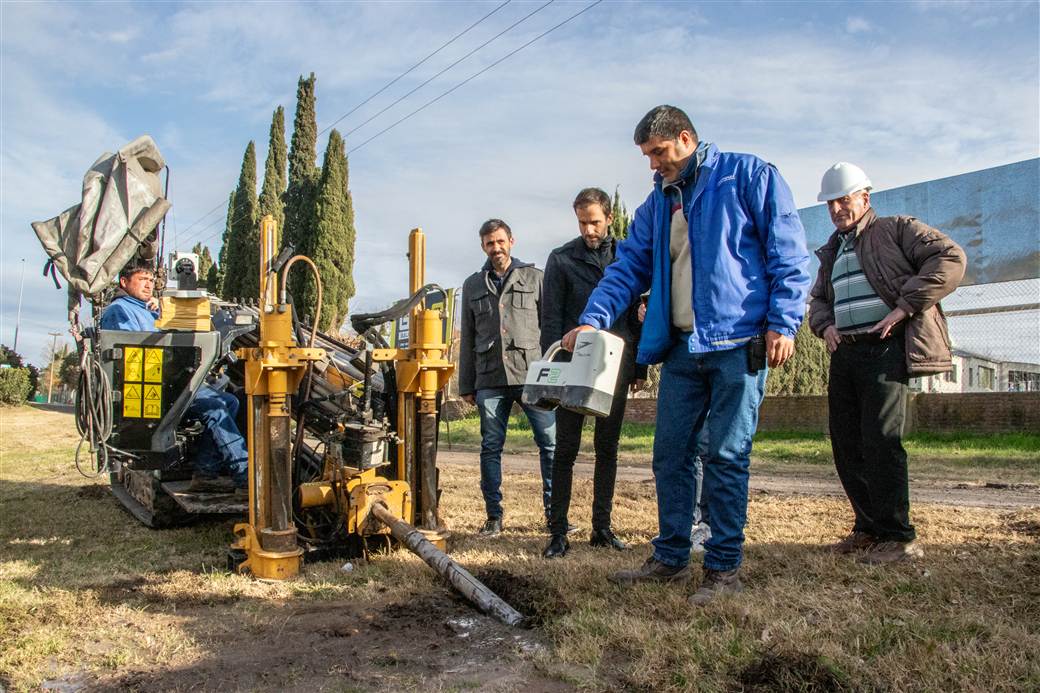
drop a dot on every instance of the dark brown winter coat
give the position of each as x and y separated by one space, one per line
910 265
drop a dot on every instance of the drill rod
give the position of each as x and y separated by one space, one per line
460 578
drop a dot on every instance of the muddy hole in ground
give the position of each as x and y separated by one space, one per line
779 670
532 597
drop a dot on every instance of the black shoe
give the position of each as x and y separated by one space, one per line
492 527
605 537
557 547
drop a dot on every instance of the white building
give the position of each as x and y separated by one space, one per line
974 372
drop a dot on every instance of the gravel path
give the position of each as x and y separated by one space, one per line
1007 496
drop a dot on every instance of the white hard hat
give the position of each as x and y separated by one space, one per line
841 179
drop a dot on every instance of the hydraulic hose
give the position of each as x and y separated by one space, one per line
93 413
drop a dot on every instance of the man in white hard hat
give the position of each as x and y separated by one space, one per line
876 304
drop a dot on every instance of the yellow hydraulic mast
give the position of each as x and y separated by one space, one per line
422 372
273 371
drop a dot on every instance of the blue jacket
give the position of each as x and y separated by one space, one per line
128 313
747 245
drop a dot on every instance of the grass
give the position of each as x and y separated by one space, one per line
1005 457
88 597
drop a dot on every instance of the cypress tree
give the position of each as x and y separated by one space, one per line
332 245
242 268
213 278
205 262
217 288
347 290
274 173
619 224
303 175
805 373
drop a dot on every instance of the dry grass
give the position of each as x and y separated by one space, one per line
87 597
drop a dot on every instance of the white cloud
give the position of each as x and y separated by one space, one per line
857 25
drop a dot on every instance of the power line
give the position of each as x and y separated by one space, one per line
405 96
405 73
442 95
472 77
328 127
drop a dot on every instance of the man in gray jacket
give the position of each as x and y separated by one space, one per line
501 309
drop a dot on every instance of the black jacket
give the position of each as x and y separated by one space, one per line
571 273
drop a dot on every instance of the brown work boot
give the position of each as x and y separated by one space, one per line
210 484
892 552
715 583
652 571
855 542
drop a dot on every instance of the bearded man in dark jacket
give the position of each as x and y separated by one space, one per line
571 273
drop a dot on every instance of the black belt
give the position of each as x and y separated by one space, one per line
868 337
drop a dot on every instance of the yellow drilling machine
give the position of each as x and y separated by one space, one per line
341 435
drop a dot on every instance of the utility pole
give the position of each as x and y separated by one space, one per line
18 320
54 347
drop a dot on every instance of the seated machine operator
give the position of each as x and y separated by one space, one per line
222 448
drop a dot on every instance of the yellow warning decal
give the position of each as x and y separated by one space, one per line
133 363
152 401
153 359
132 400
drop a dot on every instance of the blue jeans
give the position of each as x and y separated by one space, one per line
494 405
222 447
710 392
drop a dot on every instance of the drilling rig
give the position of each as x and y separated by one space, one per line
341 435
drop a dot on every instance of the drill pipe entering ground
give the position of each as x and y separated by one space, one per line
460 578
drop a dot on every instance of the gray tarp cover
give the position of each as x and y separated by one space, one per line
115 221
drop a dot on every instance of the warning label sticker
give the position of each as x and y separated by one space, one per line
132 400
133 363
152 401
153 359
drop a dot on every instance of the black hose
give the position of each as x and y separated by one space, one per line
93 413
361 322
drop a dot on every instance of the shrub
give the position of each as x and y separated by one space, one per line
14 385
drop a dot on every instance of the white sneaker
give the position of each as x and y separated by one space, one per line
700 534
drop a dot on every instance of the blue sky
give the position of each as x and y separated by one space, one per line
910 91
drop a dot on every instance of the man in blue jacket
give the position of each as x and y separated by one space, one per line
222 449
721 248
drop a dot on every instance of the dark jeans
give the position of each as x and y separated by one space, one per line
494 405
710 394
605 439
867 399
222 447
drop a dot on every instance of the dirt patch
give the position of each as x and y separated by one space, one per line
1023 522
535 599
415 641
778 670
93 492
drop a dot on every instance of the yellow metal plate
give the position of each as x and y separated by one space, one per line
152 401
132 400
133 363
153 359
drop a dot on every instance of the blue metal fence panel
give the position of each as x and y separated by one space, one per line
994 214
